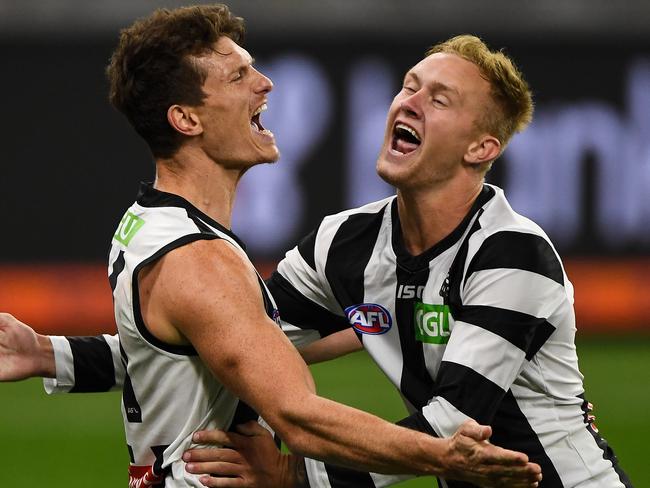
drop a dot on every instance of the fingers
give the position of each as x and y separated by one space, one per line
216 469
212 454
211 482
527 476
493 465
251 428
215 437
472 429
497 455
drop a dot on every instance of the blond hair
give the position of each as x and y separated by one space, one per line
510 92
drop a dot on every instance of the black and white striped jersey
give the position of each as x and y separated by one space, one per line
168 393
481 325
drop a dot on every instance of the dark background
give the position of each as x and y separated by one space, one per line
71 164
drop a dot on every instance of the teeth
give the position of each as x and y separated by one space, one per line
409 130
260 109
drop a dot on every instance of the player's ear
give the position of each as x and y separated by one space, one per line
184 120
482 150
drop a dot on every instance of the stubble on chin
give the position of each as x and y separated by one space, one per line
383 171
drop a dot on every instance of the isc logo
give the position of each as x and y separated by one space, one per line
410 291
369 318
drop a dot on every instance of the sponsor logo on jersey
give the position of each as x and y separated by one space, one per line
369 318
143 476
410 291
128 227
432 323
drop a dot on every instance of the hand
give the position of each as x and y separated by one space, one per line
23 352
472 458
247 459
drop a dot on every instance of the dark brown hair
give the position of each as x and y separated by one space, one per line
152 67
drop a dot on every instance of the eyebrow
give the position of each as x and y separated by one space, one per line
435 85
244 66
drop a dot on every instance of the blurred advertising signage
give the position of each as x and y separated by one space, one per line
581 170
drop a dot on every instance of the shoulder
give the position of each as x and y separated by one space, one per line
507 239
498 215
342 226
142 230
372 208
209 258
202 278
330 223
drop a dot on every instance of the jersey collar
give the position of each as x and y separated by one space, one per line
421 261
148 196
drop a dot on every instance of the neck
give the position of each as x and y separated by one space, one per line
201 181
428 216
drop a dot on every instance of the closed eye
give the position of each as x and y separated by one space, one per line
239 75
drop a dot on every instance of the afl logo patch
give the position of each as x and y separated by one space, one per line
369 318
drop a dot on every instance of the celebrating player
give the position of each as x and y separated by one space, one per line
462 302
196 323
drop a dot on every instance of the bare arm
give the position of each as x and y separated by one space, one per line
207 293
331 347
250 459
26 354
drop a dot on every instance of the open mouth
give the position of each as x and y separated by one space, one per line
256 122
405 139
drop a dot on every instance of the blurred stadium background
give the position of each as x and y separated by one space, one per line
72 165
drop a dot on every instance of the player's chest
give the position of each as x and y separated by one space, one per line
405 311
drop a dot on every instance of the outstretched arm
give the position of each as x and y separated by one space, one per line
209 294
23 353
331 347
67 364
249 458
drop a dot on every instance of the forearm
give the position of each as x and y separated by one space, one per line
331 347
340 477
342 435
85 364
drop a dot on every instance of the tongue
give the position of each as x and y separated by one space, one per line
405 147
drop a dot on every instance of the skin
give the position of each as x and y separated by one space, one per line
23 354
184 301
442 99
219 131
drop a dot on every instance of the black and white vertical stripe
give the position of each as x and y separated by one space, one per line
510 361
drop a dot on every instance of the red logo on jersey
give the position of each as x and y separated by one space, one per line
369 318
143 476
